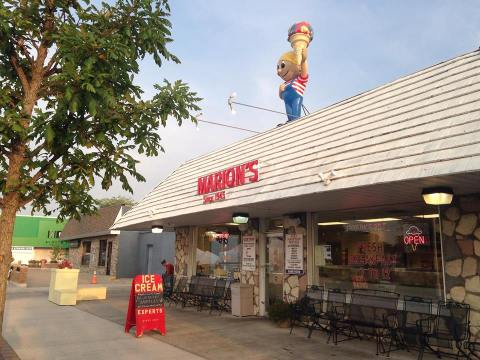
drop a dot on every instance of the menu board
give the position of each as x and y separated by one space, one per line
248 253
294 254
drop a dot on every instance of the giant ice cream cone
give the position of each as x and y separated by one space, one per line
299 35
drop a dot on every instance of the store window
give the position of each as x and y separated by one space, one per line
392 254
218 251
102 253
86 252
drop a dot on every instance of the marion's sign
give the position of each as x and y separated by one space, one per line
213 186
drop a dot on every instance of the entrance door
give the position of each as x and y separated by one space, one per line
149 259
109 257
275 268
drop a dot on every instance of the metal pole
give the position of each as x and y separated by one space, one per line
441 252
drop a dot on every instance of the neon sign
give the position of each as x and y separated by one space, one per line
221 238
414 237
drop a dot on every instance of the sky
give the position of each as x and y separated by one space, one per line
233 46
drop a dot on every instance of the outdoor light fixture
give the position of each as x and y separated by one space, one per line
157 229
332 223
240 218
437 195
427 216
378 220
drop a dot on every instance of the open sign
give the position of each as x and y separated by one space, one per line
414 237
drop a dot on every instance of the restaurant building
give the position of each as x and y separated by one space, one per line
335 198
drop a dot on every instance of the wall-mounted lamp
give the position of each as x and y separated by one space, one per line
438 195
157 229
240 218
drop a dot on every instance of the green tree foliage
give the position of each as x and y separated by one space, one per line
116 200
71 114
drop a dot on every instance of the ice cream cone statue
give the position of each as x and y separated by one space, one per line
300 35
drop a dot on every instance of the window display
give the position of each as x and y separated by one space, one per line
218 252
400 255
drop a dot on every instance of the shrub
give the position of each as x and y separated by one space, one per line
279 311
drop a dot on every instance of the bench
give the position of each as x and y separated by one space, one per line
91 292
63 296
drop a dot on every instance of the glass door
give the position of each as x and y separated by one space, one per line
275 267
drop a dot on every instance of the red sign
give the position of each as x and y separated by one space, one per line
226 179
414 237
146 310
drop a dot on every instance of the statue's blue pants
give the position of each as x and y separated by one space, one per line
293 103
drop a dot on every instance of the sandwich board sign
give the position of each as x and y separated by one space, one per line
146 310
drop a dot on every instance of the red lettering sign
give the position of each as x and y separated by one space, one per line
145 308
227 178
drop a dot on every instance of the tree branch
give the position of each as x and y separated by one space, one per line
37 150
24 50
40 172
21 74
52 63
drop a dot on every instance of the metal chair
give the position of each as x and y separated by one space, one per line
328 320
446 332
367 313
303 309
403 327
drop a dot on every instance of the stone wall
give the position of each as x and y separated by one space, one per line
461 235
252 277
75 256
181 251
295 285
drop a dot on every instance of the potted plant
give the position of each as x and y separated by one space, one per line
280 312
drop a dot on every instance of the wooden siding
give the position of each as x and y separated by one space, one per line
424 124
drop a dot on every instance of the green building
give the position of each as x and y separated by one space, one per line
34 236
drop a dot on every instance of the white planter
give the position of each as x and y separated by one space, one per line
63 286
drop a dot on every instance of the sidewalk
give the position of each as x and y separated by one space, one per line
38 329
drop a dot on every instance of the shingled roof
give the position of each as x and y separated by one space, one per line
93 225
423 125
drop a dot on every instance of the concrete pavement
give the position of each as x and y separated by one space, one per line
38 329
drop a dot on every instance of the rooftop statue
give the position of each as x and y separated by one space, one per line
292 67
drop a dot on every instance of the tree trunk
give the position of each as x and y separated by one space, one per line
11 205
7 221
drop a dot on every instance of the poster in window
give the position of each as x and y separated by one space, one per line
248 253
294 254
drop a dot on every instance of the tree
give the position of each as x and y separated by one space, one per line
58 249
116 200
70 112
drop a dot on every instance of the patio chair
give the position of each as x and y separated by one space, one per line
473 348
367 313
178 291
328 320
446 333
216 300
303 309
403 327
188 297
